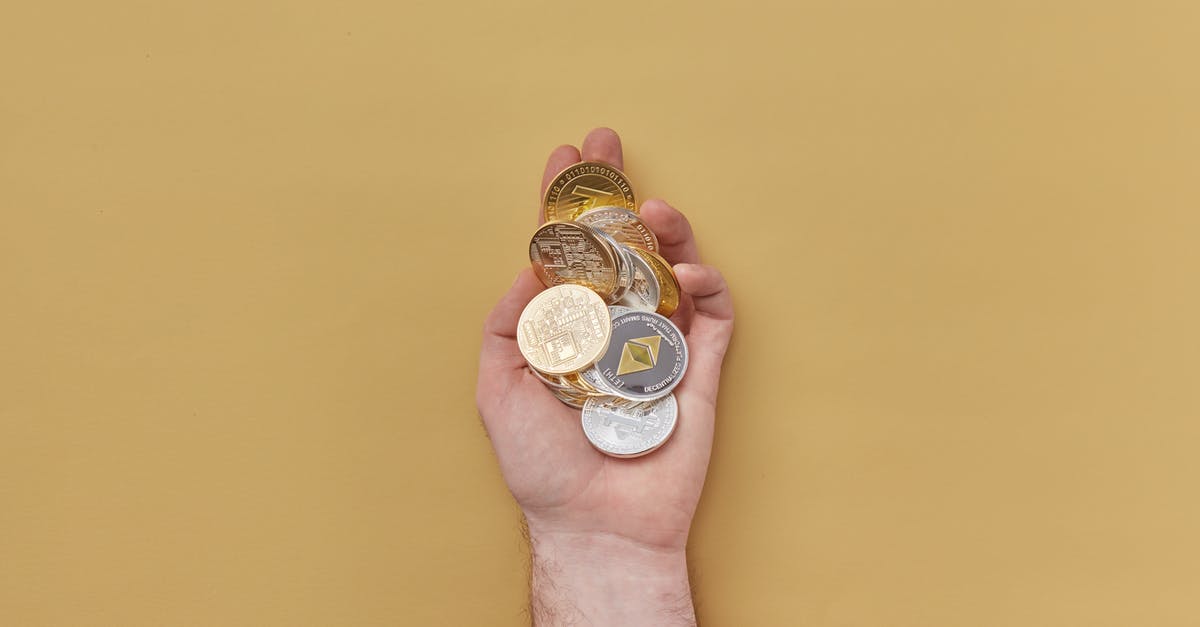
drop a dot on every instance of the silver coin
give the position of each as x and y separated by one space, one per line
629 430
624 225
624 259
644 291
646 357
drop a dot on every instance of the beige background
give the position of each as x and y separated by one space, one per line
246 249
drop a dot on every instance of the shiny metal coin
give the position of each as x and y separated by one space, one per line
551 381
564 329
574 399
646 357
622 224
645 292
566 252
624 258
624 430
584 186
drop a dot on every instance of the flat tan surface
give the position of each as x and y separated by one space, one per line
246 249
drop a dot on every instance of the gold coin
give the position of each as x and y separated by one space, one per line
584 186
622 224
581 385
564 329
566 252
668 285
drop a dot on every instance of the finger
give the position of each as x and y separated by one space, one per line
500 352
603 145
709 292
673 230
711 326
560 158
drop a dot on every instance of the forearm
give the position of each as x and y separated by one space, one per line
602 579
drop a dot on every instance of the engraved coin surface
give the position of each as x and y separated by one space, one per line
584 186
616 310
644 291
668 285
629 430
564 329
646 357
622 224
566 252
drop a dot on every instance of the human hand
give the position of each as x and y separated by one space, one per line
600 520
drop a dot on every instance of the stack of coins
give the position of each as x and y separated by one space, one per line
599 337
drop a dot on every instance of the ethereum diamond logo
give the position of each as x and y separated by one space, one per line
638 354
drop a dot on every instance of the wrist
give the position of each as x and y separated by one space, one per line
607 579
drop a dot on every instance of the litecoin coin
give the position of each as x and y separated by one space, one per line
629 430
564 329
584 186
622 224
565 252
646 357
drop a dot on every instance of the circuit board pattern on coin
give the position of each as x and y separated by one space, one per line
565 252
564 329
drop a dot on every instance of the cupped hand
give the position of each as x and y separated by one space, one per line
565 486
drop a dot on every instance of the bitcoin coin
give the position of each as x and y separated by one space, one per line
646 357
584 186
564 329
668 285
622 224
629 430
566 252
644 291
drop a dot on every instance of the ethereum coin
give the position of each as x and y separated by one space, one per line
622 224
564 329
566 252
584 186
646 357
629 430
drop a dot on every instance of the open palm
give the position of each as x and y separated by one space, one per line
563 484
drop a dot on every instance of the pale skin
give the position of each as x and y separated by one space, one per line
607 536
